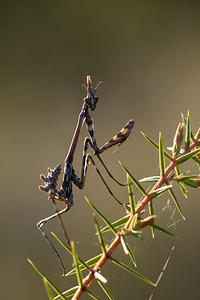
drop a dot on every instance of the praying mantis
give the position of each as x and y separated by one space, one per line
65 194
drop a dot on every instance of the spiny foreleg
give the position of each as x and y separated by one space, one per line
122 137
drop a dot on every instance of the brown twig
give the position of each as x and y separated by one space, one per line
111 248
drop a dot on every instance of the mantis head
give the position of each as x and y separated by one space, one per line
91 99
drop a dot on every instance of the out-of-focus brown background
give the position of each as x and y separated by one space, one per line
147 54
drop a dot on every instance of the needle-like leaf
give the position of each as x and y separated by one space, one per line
187 136
163 230
83 264
131 254
78 271
183 178
151 211
133 222
197 160
91 262
161 157
122 239
134 180
183 189
48 290
156 145
122 265
176 203
185 157
68 293
131 197
160 191
150 179
106 291
191 180
62 243
102 216
48 280
92 295
101 240
181 185
185 122
194 183
117 223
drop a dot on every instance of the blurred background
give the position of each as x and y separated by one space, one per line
147 55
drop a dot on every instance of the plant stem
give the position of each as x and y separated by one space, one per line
111 248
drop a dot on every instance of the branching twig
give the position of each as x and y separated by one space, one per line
111 248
